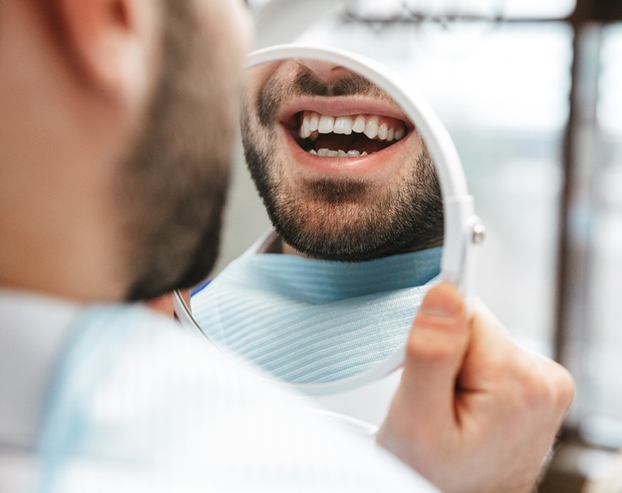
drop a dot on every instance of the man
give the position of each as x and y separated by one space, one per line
363 188
114 113
357 211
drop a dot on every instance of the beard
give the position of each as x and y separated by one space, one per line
340 219
172 188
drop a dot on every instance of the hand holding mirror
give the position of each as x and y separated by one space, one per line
370 206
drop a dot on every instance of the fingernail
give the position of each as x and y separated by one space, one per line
441 305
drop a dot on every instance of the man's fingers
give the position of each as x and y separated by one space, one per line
497 365
435 351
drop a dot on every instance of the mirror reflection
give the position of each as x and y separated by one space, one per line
357 212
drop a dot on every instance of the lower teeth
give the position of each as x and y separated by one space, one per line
340 153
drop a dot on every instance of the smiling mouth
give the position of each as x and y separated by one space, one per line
346 136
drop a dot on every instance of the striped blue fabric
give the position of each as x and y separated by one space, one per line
315 321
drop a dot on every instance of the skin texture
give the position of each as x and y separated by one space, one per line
94 110
354 216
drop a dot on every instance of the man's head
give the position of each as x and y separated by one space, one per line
115 141
342 171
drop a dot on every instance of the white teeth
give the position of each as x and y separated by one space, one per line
383 130
371 128
343 125
314 121
359 124
305 133
314 124
340 153
326 125
310 122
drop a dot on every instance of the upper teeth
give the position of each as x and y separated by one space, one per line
370 125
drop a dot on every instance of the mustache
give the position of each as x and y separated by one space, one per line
306 83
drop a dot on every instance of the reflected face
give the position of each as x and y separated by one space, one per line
341 169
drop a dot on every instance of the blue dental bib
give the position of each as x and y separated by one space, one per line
315 321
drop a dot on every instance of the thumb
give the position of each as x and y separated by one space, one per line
435 351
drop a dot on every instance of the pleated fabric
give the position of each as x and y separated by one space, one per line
315 321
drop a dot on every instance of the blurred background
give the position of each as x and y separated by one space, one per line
531 92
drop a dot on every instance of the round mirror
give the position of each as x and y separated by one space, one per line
369 206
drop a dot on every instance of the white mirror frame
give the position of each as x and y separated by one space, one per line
462 227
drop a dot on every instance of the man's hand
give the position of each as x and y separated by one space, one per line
474 412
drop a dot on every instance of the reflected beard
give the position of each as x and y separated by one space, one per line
341 219
172 191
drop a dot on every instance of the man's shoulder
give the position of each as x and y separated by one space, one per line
145 391
135 335
144 349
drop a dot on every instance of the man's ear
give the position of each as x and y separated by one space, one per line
112 43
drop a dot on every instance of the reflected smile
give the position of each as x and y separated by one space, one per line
347 136
343 134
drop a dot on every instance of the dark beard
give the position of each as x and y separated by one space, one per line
173 189
335 219
411 219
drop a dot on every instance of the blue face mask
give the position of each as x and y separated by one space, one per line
315 321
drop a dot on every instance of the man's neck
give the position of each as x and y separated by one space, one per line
281 246
287 249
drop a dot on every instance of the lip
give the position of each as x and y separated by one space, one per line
342 166
341 106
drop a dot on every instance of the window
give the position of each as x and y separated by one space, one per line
602 335
547 180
